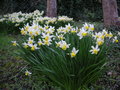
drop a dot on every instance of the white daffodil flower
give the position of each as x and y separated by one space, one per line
30 41
82 33
91 27
74 52
14 43
99 41
86 26
68 27
119 33
64 45
115 39
33 47
25 45
40 42
47 36
94 50
27 73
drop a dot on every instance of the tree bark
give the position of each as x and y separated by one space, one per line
110 12
51 8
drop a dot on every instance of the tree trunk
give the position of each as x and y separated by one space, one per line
51 8
110 12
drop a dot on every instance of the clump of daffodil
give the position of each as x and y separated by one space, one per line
64 18
95 49
100 35
27 73
74 52
51 51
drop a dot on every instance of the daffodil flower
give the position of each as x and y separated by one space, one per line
47 36
119 33
25 45
94 50
104 32
115 39
40 42
74 30
86 26
99 41
26 27
47 42
64 45
82 33
68 27
27 73
74 52
14 43
23 32
30 41
60 37
91 27
33 47
110 35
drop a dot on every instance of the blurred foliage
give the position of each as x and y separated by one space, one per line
81 9
78 9
10 6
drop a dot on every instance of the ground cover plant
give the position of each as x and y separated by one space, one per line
81 53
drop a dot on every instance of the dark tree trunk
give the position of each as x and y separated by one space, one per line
110 12
51 8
